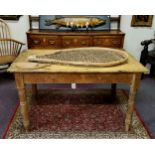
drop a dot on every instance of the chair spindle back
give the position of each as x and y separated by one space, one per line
8 46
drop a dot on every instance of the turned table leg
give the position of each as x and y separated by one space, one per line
23 102
113 90
34 90
131 101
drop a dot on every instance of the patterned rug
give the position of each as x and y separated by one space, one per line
77 114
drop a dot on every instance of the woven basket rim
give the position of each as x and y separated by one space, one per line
124 55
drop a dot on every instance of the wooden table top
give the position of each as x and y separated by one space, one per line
22 65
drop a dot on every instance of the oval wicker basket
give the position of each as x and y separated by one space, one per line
88 56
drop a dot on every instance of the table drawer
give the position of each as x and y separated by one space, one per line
75 41
108 42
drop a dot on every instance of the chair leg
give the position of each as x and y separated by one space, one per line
113 90
142 76
152 70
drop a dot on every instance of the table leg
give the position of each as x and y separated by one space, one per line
131 101
113 90
23 102
34 90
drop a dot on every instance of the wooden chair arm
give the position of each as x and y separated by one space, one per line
10 46
18 41
13 40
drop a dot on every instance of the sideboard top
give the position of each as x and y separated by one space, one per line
111 32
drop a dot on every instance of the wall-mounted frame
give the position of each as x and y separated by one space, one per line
10 17
79 22
34 22
142 20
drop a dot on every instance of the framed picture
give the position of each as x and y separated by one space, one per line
74 22
141 20
10 17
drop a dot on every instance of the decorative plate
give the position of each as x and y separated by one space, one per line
90 56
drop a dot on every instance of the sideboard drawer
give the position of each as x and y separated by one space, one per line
36 42
52 42
56 40
115 42
76 41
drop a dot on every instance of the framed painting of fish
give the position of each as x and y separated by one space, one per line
74 22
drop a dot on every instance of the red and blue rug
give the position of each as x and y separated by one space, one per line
77 114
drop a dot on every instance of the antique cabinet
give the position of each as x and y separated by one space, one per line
54 40
60 39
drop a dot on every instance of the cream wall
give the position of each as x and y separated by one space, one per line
19 29
133 37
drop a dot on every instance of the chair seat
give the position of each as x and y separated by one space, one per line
151 57
152 63
152 54
5 66
7 59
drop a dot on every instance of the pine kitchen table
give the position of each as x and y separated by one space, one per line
35 73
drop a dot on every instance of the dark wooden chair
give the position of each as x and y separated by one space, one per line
9 48
148 56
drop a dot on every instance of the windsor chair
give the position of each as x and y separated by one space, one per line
148 56
9 48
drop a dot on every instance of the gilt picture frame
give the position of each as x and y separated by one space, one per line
141 20
10 17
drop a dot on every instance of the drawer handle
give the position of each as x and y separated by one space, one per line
36 42
98 42
115 42
75 40
44 40
52 42
83 43
67 43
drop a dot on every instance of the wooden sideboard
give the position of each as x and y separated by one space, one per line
55 40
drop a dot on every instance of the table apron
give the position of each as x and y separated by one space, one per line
34 78
133 79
